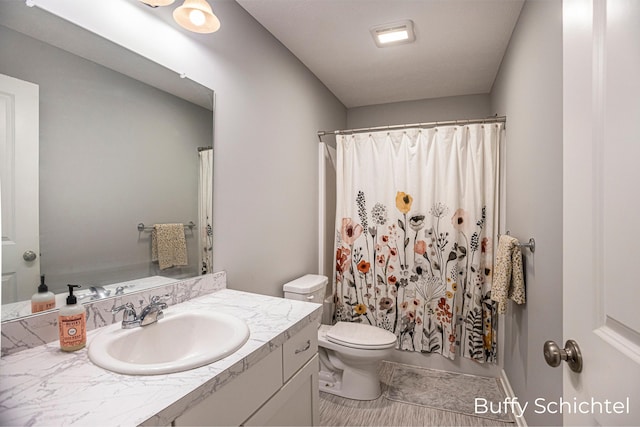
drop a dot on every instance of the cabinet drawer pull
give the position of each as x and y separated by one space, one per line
305 348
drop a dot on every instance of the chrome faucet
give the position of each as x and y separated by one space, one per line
99 292
96 292
150 314
153 312
130 317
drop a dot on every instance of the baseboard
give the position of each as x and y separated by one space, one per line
520 421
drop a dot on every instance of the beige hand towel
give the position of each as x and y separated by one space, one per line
508 278
168 245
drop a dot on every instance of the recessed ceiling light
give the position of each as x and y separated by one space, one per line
393 34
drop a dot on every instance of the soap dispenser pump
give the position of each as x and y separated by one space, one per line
43 299
72 322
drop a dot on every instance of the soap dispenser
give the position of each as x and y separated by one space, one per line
72 321
43 299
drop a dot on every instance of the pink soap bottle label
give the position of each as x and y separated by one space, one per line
73 331
42 306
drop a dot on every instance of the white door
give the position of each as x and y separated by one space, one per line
601 256
19 138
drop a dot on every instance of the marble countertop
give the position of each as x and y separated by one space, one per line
45 386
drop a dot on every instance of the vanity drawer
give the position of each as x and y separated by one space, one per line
298 350
238 399
295 404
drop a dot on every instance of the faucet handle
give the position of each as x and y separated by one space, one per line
159 299
153 312
130 314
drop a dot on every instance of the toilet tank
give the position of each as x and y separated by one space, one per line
309 288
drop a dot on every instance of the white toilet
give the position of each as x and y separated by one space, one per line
349 352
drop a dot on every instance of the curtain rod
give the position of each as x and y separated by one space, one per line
495 119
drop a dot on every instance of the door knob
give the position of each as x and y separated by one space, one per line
571 354
29 256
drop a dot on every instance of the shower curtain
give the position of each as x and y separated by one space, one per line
205 207
416 213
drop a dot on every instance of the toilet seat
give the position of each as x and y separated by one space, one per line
360 336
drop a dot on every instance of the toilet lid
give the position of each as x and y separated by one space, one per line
358 335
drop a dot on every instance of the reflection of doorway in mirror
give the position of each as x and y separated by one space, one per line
19 139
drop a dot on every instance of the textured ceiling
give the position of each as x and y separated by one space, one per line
458 50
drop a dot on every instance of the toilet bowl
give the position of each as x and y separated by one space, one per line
349 358
349 352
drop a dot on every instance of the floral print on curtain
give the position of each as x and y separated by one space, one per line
419 263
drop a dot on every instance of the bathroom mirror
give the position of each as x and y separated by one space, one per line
121 145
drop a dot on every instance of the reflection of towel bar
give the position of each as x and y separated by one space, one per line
141 226
531 245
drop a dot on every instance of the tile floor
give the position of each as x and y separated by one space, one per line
337 411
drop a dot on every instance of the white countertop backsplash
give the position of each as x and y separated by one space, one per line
45 386
23 308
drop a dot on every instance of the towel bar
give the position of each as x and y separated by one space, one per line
531 245
142 227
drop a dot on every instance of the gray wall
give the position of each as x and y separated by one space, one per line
528 90
425 110
113 152
269 108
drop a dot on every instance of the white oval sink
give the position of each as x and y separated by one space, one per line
178 342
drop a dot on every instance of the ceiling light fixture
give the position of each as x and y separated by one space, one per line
197 16
392 34
156 3
193 15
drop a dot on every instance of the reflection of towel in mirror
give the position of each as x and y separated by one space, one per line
508 279
168 245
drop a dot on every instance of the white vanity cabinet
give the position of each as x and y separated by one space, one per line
280 389
271 380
